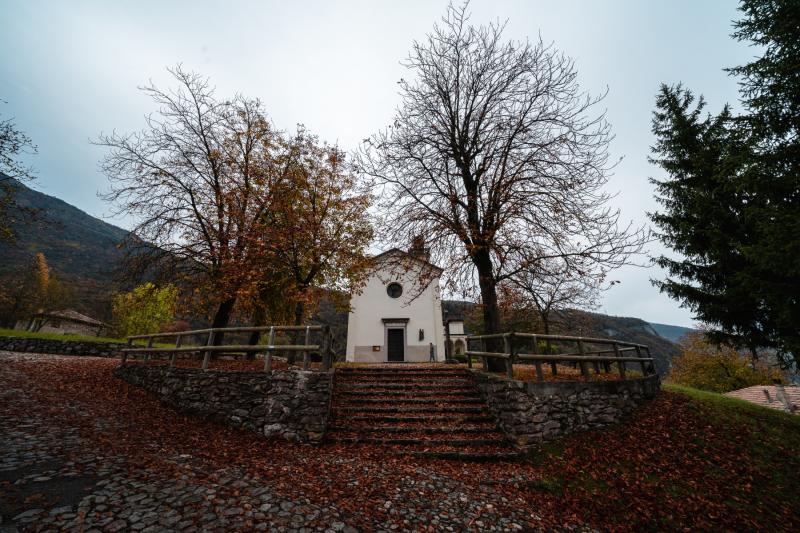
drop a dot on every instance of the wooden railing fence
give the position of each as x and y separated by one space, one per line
323 346
620 352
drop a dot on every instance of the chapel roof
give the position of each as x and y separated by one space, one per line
391 251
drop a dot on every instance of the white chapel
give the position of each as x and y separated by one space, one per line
397 316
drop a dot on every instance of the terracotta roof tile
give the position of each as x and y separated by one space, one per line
767 396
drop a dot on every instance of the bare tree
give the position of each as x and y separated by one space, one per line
497 156
555 285
197 179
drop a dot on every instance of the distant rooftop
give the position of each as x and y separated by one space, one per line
767 395
71 314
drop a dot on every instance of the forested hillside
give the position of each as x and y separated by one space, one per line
81 250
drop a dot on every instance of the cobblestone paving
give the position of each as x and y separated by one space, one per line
51 479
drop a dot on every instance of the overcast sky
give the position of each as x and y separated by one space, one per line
70 70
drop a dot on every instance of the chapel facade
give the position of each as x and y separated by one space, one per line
397 316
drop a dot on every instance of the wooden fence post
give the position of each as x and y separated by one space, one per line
508 347
325 348
642 363
651 364
173 354
582 351
549 348
537 363
125 354
469 357
596 364
306 352
149 345
484 358
270 347
207 354
620 364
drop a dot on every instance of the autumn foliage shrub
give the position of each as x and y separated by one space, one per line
705 366
145 309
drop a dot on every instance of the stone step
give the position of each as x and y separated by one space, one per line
409 392
398 370
425 409
411 401
395 419
421 387
400 427
402 375
426 412
369 382
414 429
399 441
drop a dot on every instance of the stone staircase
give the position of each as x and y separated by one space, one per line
433 412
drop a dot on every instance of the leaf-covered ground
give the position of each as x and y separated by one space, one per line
683 462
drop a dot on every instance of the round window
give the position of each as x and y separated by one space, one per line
394 290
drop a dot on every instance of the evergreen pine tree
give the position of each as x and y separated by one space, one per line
770 88
731 204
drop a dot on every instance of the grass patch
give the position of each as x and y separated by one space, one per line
56 336
726 409
775 431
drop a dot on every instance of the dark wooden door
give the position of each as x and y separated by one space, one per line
396 344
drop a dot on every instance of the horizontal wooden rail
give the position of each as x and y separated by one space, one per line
497 355
513 341
578 358
586 340
485 337
210 346
230 348
224 330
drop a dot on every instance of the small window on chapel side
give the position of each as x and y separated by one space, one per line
394 290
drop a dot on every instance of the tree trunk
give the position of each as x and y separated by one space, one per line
221 319
546 323
259 317
299 312
299 338
491 313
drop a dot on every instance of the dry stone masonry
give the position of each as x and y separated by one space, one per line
535 412
449 412
60 347
290 404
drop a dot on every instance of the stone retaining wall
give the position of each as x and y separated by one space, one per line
290 404
535 412
60 347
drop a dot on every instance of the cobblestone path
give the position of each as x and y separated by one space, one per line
53 477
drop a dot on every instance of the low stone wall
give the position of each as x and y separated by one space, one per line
290 404
535 412
60 347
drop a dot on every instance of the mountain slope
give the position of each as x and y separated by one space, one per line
80 249
672 333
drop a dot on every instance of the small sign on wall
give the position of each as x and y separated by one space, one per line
376 348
